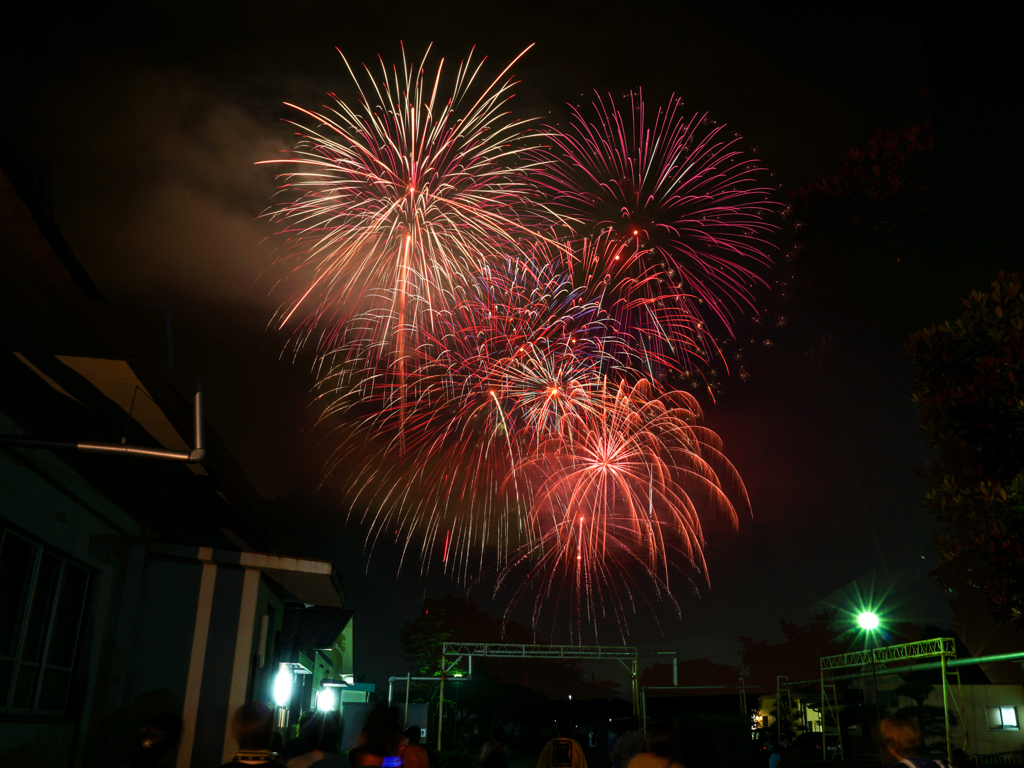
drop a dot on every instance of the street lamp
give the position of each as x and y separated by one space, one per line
283 693
325 700
868 621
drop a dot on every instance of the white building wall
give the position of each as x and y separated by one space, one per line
983 740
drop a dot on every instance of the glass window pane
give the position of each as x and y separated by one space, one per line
16 559
6 669
69 616
54 692
42 606
995 720
1009 717
25 686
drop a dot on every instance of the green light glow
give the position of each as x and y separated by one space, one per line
868 620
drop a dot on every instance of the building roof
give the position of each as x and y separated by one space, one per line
313 629
311 581
74 371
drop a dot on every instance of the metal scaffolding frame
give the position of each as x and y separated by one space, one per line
782 688
621 654
541 651
942 647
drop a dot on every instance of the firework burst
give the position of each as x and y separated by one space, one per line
498 316
397 197
675 192
651 331
622 489
511 363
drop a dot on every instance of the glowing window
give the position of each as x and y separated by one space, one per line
1002 718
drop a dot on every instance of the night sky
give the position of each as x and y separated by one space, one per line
153 115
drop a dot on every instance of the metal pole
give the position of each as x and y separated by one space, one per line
110 448
684 687
962 711
1017 655
643 709
878 717
778 707
197 420
841 753
824 738
636 691
408 685
391 689
193 456
440 711
945 710
743 699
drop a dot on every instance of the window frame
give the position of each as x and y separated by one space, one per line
51 613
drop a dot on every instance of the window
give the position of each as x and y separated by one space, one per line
1002 718
42 600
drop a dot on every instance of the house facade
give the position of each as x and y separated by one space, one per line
985 717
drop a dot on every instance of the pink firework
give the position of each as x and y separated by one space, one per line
651 330
675 191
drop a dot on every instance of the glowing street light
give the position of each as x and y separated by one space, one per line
868 620
325 700
283 686
283 694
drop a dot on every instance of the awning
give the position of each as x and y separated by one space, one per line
315 582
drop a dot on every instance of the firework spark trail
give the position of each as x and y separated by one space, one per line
652 331
508 366
632 476
678 188
570 582
524 332
633 445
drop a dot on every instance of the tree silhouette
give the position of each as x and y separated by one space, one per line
969 393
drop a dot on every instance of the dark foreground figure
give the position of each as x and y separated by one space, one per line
902 738
252 726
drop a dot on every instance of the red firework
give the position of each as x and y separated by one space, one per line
622 490
502 390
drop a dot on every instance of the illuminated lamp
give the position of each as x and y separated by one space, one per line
868 620
325 700
283 686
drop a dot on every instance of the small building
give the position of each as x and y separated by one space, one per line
985 716
129 586
316 643
991 713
